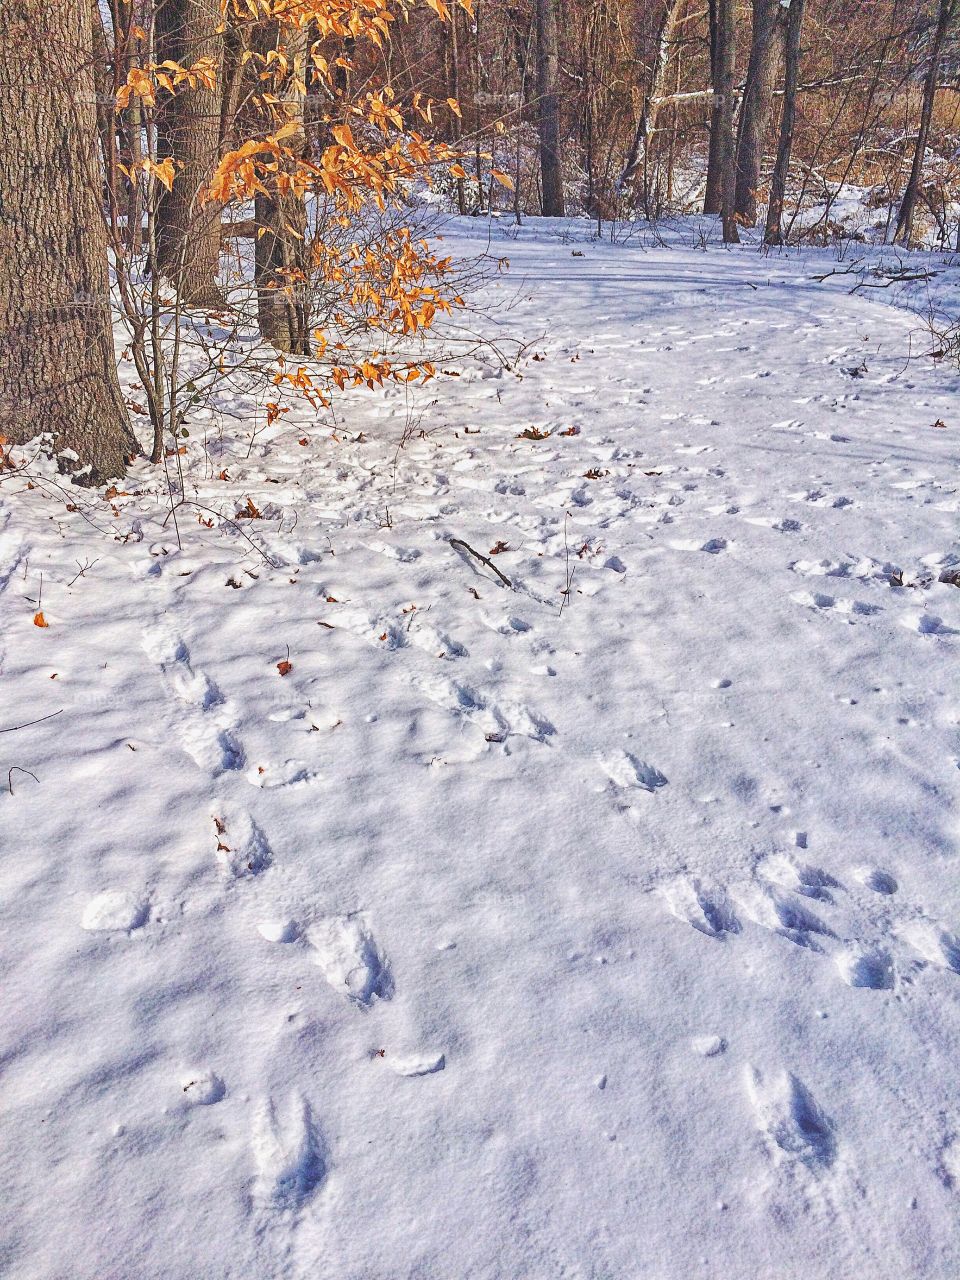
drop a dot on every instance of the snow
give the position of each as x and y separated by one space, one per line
602 925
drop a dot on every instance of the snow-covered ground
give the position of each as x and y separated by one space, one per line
494 940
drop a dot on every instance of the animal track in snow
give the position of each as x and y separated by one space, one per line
202 1089
794 1127
415 1064
242 848
350 959
860 968
775 909
810 881
706 910
877 880
713 546
824 603
926 624
932 943
289 773
288 1154
624 769
204 735
497 723
115 911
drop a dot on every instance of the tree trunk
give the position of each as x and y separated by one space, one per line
773 233
548 58
280 257
637 168
711 197
757 103
189 126
57 365
722 170
904 232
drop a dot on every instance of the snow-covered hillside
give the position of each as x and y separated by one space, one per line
494 940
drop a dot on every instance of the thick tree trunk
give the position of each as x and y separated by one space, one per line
57 365
548 59
280 257
189 126
757 103
773 233
904 233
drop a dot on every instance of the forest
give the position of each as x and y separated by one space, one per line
160 139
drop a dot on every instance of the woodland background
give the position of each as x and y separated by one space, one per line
183 178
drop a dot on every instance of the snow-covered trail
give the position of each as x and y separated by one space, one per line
493 941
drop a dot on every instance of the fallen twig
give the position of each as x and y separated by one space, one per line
28 723
459 542
17 769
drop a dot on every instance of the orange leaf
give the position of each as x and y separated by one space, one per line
39 620
284 667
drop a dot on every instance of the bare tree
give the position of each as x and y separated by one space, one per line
947 11
548 57
773 233
722 160
757 103
280 265
637 168
57 362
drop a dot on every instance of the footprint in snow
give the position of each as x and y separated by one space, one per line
290 773
772 907
933 943
862 968
288 1154
706 910
708 1046
115 911
824 603
242 848
713 546
201 724
415 1064
202 1088
802 878
794 1127
350 959
624 769
877 880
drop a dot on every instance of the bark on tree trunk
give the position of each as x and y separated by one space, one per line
548 58
280 258
757 104
773 233
189 122
723 153
637 168
711 197
57 365
947 11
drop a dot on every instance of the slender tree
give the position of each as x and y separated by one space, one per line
637 168
947 11
548 60
280 257
57 363
773 233
722 160
757 104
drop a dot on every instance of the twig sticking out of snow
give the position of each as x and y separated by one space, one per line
459 542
